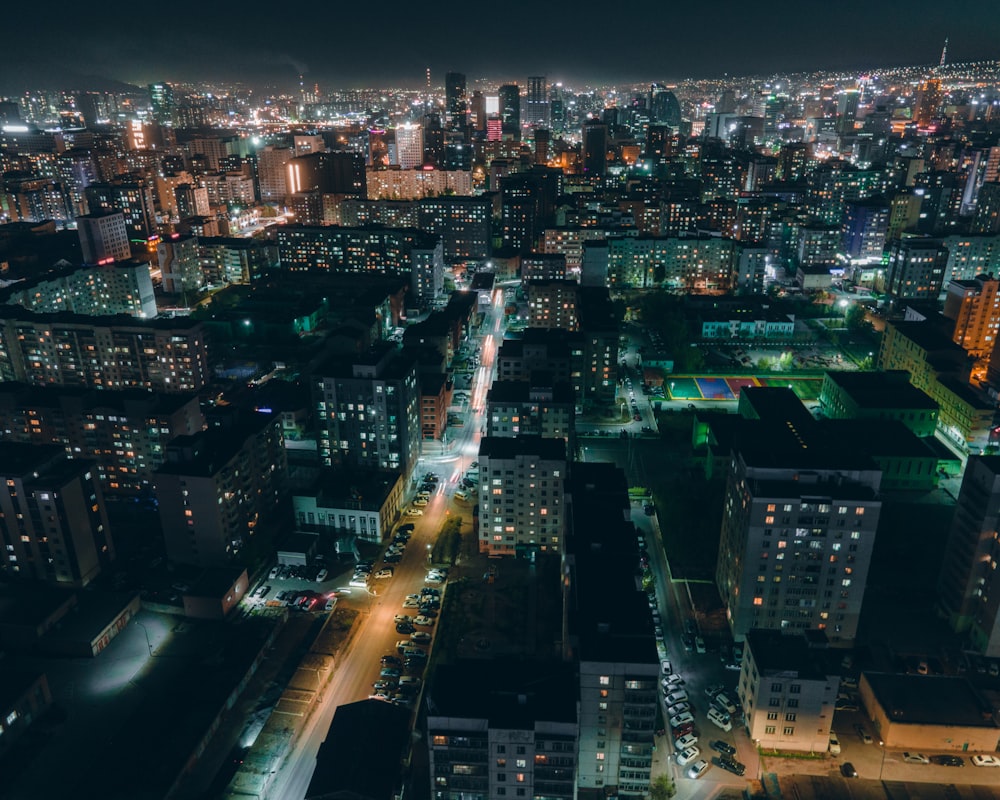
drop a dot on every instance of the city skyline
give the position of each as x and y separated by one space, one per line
347 49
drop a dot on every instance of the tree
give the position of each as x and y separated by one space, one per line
662 788
854 319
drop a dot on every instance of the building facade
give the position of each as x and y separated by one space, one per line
521 495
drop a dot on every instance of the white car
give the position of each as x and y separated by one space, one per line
420 502
678 708
408 603
681 719
322 575
720 719
686 741
382 574
676 696
414 512
424 621
697 769
986 761
916 758
687 755
672 681
665 667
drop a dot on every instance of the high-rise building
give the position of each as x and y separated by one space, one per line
134 198
543 408
536 103
800 516
969 585
987 214
124 432
409 146
510 108
53 524
864 230
664 109
530 744
372 250
478 108
522 495
368 412
165 355
103 237
974 306
455 102
595 148
916 268
847 111
272 173
161 97
219 489
180 267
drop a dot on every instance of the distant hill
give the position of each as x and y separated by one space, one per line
17 78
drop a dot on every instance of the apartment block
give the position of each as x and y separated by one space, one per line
539 408
168 355
788 690
974 306
121 287
367 410
124 432
799 521
503 729
220 488
969 585
53 523
522 495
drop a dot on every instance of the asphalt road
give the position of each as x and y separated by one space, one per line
375 633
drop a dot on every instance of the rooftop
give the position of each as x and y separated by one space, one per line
930 700
505 448
876 390
511 694
789 654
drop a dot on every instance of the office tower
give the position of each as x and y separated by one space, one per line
664 109
595 148
542 137
787 687
494 129
272 173
799 520
658 143
167 355
522 495
433 141
847 111
368 410
220 489
161 97
478 108
409 146
928 102
510 108
969 584
455 104
53 522
103 237
536 103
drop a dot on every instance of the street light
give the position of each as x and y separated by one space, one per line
428 554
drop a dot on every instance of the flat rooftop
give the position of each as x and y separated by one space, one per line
505 448
930 700
877 390
775 652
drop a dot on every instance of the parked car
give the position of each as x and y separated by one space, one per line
699 645
685 741
382 574
720 719
676 696
834 744
681 719
420 637
730 764
986 761
391 661
423 621
723 747
948 761
863 734
847 770
723 702
687 755
697 769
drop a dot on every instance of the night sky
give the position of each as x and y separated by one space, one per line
341 44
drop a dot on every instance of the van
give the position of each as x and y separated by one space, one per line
724 703
461 494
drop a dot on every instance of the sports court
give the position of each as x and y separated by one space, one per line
705 387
